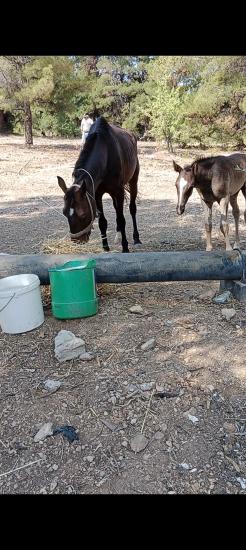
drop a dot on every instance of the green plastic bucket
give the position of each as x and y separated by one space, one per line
73 289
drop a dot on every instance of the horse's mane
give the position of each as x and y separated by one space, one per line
99 128
205 165
206 162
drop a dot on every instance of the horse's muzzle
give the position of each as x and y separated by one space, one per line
82 239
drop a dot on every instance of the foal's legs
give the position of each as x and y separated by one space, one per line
118 202
236 215
243 189
208 224
133 186
103 224
223 221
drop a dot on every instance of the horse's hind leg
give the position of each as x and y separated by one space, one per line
103 224
118 202
118 231
208 225
243 189
236 215
224 221
133 186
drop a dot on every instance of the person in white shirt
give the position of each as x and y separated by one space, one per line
86 123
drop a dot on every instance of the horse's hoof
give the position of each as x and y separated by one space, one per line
137 242
236 246
125 251
106 248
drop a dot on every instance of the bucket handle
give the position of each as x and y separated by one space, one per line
8 302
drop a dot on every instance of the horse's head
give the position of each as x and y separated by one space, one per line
184 184
78 209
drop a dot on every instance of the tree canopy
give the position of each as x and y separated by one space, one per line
177 99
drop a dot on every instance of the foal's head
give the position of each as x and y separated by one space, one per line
79 208
184 184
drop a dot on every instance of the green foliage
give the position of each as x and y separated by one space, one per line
198 100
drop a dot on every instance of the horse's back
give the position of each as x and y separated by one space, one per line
126 146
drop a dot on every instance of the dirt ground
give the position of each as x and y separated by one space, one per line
193 415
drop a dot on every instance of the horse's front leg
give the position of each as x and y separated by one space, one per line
224 222
208 225
103 224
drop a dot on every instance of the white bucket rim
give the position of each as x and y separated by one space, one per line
7 292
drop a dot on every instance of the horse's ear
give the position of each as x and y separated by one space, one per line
176 166
194 168
62 184
81 189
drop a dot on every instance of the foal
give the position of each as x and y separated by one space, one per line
216 179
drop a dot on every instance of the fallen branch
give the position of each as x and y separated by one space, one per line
21 467
22 168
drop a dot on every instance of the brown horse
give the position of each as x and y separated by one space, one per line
217 179
108 163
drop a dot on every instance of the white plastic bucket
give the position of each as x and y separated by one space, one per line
21 306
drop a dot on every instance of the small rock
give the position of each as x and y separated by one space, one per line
133 421
207 294
150 344
185 466
138 443
89 458
222 298
52 385
146 456
124 443
110 425
87 356
146 386
228 313
136 309
163 427
159 435
228 427
53 485
191 417
68 346
132 387
55 467
45 431
168 323
242 482
101 482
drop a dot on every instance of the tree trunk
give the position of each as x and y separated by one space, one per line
169 144
28 124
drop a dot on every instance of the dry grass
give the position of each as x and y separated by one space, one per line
66 246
